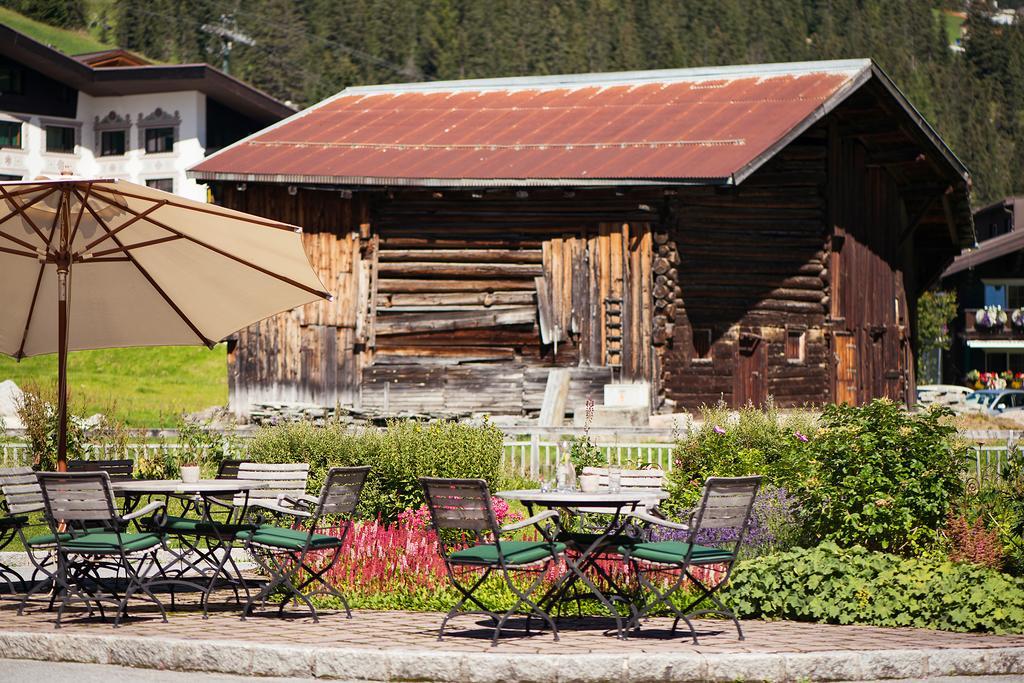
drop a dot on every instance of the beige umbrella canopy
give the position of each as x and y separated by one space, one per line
89 264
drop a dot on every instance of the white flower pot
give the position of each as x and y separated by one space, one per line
190 474
590 483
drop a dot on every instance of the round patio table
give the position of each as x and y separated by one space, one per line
218 535
588 546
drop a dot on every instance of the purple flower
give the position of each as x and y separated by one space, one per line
802 437
719 430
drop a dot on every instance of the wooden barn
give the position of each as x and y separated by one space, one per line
721 233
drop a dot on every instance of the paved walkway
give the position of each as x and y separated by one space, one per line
403 646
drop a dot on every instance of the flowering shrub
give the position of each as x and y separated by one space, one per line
972 542
420 517
773 526
757 442
883 478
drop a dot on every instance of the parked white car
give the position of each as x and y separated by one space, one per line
996 402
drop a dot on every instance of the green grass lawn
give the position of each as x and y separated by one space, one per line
145 387
68 42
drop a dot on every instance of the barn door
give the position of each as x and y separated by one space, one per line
750 381
846 369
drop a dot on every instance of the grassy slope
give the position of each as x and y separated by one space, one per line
69 42
147 387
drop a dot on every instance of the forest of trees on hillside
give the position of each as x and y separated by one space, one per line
305 51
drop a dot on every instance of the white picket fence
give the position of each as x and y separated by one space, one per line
536 458
533 458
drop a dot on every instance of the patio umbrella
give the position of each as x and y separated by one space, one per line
91 263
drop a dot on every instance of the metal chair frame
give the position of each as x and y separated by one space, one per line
23 496
76 505
465 505
727 502
291 570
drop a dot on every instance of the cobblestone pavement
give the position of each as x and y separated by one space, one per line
416 631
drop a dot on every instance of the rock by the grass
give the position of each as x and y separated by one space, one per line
10 398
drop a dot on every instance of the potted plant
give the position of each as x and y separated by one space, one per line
990 318
190 468
1018 380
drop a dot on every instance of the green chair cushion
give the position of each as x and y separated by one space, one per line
107 542
46 539
514 552
288 539
189 526
172 524
12 522
674 552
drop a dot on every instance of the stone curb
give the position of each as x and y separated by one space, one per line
352 664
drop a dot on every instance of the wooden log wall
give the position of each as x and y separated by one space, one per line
751 269
309 354
479 296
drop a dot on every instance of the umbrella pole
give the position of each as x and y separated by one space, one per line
62 370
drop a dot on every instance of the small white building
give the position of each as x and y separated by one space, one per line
112 114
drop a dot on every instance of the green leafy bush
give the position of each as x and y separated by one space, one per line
411 449
398 455
332 445
756 442
857 586
883 478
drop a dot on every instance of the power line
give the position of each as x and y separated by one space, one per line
295 33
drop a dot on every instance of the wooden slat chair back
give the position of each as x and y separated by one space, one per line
463 504
228 468
726 503
119 470
287 479
79 499
629 481
21 490
341 491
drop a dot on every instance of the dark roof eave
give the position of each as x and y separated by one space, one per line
449 183
129 80
988 251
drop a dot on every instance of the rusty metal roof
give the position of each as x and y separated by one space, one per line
707 125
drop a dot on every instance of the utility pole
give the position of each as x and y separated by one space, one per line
229 34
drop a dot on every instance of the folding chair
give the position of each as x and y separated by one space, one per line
118 470
726 503
82 516
287 554
24 497
465 505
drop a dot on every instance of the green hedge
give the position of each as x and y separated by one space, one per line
857 586
398 455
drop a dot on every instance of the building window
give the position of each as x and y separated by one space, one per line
1003 294
10 134
113 143
159 140
11 80
165 184
999 361
701 343
795 346
60 139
